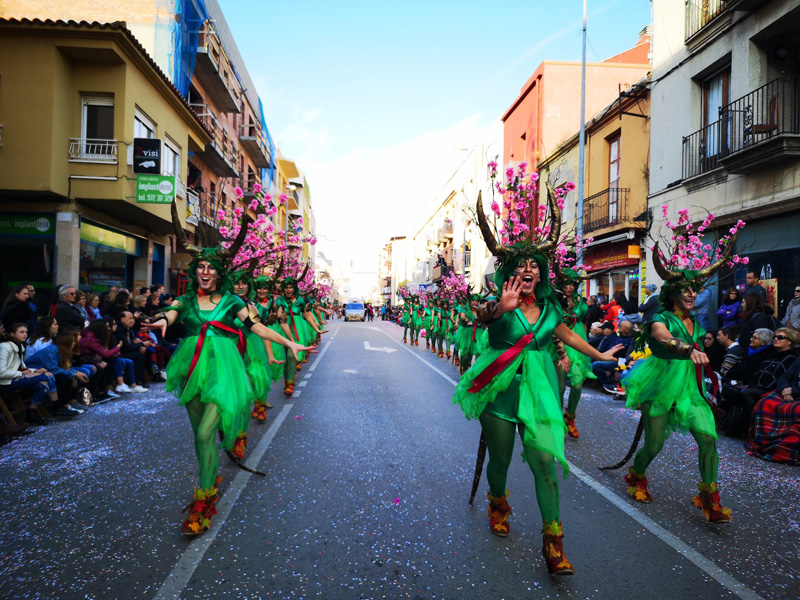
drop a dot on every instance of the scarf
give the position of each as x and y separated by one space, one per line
751 352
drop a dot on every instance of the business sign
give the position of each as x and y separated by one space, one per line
155 189
147 156
771 288
27 224
607 257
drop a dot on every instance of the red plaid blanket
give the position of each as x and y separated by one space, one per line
775 430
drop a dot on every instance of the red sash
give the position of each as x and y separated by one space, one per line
500 363
474 328
241 344
705 369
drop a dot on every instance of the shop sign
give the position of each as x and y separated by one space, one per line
155 189
104 237
147 156
608 257
771 288
30 224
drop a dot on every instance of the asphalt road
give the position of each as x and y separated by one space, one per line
369 469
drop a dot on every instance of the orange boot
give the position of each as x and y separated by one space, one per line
637 487
201 509
288 389
553 549
708 501
569 421
239 446
499 510
259 412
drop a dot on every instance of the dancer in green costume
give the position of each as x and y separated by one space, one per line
427 321
513 385
408 317
207 370
266 298
575 309
294 326
665 385
466 340
419 322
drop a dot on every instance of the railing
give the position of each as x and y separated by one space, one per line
222 142
607 208
700 13
208 207
91 150
760 115
702 150
467 259
207 38
248 183
439 271
447 229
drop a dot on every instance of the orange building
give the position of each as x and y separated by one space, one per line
547 111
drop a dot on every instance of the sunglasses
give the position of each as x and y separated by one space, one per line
797 291
780 337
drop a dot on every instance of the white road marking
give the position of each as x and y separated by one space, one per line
296 393
708 566
302 384
182 572
376 349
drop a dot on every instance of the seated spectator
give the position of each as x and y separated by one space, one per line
792 316
742 401
46 331
80 302
755 315
603 369
57 359
119 305
67 313
138 306
774 433
713 349
734 353
153 305
93 307
595 333
731 309
17 308
93 350
16 375
107 299
132 348
124 368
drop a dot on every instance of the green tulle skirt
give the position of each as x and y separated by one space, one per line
417 321
581 368
404 319
219 378
530 397
279 353
258 367
670 387
464 343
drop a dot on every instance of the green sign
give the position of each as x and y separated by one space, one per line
27 224
155 189
104 237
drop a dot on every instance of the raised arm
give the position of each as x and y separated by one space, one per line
573 340
661 334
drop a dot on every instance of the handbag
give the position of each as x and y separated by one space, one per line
84 396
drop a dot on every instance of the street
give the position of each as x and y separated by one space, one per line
368 472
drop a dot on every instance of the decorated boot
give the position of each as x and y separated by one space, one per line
569 421
457 362
201 509
441 353
259 412
447 354
427 343
239 446
288 389
553 549
708 501
499 510
404 340
637 487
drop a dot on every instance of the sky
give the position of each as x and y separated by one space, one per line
376 101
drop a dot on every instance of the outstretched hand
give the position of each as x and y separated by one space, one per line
274 361
510 296
698 358
609 354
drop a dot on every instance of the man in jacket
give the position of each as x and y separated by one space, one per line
132 347
649 307
753 286
604 368
67 312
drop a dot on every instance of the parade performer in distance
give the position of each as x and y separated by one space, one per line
266 295
408 316
427 321
419 322
575 309
513 385
294 327
468 332
668 387
207 370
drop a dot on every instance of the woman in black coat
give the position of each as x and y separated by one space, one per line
755 315
17 308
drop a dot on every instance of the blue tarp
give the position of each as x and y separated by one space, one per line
272 158
192 14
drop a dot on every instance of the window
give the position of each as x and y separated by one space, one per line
97 127
171 164
716 94
613 177
143 127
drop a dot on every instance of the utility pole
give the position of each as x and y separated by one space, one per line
582 141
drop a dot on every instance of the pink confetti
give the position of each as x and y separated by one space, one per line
397 500
298 418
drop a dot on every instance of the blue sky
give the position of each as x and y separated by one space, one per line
374 99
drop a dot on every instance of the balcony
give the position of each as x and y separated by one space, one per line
440 271
251 137
701 151
208 208
93 151
700 14
221 154
761 128
447 230
213 70
467 259
606 209
248 184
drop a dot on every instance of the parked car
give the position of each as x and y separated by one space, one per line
354 311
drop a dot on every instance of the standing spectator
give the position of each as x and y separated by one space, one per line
80 302
755 315
34 308
594 314
731 309
792 316
16 308
650 306
132 348
67 314
754 286
713 349
702 306
119 305
614 308
45 333
93 307
734 353
15 375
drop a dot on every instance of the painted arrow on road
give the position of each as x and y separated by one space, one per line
387 350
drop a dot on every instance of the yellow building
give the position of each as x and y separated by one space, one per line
615 213
75 95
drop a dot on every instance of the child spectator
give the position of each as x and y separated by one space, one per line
46 331
57 359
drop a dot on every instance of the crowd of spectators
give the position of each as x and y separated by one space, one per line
80 349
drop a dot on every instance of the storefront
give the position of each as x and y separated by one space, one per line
27 245
614 267
108 258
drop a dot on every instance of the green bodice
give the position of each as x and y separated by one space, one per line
513 325
581 309
296 307
193 318
677 329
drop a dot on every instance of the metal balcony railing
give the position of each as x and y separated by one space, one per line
764 113
700 13
701 150
91 150
467 259
606 208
